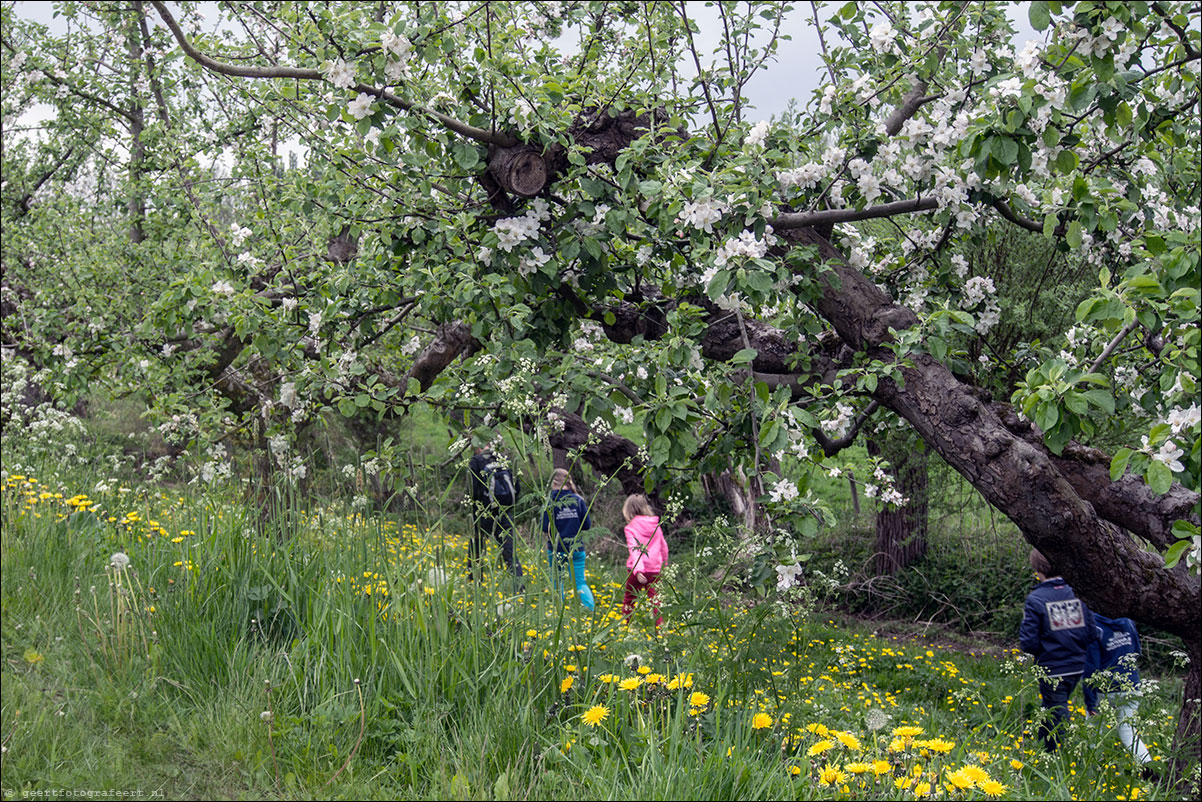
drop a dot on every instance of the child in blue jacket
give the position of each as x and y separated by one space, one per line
1110 673
565 518
1057 627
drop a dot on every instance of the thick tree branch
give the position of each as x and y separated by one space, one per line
302 73
1018 477
831 447
1022 222
832 216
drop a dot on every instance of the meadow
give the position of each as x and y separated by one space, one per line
159 641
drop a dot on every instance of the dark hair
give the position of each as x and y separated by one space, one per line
1040 563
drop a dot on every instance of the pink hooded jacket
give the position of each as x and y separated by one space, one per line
645 540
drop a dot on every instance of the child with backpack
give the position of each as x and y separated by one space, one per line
564 519
648 552
1110 674
1057 627
494 491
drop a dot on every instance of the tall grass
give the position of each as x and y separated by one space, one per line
341 652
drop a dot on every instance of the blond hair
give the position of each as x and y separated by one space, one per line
636 504
560 479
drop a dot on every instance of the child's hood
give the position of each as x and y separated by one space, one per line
643 526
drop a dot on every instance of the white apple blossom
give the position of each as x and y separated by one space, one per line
881 37
757 135
396 44
1182 419
394 71
787 576
512 231
1170 454
783 491
288 396
339 73
360 107
703 214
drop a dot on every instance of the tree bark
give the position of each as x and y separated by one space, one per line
136 206
610 455
901 532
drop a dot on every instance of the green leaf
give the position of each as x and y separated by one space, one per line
1173 555
1067 161
1047 414
718 285
1006 150
1050 221
1100 399
1073 235
660 450
650 188
768 434
1038 15
744 356
1118 464
1159 477
760 280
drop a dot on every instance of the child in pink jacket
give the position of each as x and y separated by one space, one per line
648 552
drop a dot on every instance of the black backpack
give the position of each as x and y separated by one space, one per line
499 485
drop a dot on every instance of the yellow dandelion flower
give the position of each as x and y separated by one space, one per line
858 768
831 775
532 633
607 678
880 767
761 721
566 685
644 670
977 774
818 729
908 731
960 780
630 683
819 748
595 715
795 770
938 745
848 740
992 787
699 699
1016 764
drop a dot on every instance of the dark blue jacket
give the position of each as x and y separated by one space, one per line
1117 638
1056 628
570 515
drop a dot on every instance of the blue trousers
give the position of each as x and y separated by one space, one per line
1054 696
558 562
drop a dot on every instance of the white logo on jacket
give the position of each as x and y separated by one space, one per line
1066 614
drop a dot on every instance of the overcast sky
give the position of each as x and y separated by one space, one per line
795 73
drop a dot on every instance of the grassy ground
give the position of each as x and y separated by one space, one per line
352 659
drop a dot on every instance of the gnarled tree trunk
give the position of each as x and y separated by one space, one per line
901 532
